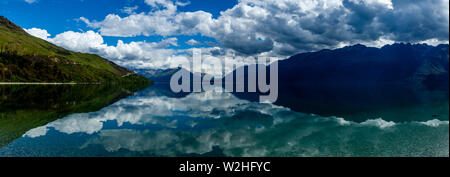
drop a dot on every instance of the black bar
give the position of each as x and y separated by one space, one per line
277 166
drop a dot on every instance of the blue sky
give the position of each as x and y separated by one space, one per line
156 33
58 16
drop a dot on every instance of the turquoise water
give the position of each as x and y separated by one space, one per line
157 123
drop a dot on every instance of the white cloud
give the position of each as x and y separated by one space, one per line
168 4
433 42
129 10
380 123
80 42
385 3
40 33
259 28
134 54
179 3
141 54
285 27
134 25
36 132
193 42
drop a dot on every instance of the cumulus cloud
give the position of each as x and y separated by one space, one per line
80 42
141 54
134 54
159 21
40 33
258 28
129 10
285 27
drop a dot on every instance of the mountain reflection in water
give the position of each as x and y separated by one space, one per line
157 122
25 107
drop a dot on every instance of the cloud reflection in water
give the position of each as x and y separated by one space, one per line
199 123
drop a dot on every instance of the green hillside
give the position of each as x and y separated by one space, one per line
25 58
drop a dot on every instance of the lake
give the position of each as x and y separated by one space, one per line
126 121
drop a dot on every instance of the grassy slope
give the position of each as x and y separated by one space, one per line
76 67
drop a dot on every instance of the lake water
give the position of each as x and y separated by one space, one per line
90 121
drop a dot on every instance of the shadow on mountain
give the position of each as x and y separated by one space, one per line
361 83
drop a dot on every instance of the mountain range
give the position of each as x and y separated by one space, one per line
24 58
399 63
353 79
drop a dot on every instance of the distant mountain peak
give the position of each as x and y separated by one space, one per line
358 46
10 25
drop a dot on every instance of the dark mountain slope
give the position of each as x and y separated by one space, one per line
398 63
356 79
358 82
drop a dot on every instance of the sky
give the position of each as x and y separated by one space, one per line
157 33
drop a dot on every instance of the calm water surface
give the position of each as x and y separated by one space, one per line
120 121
